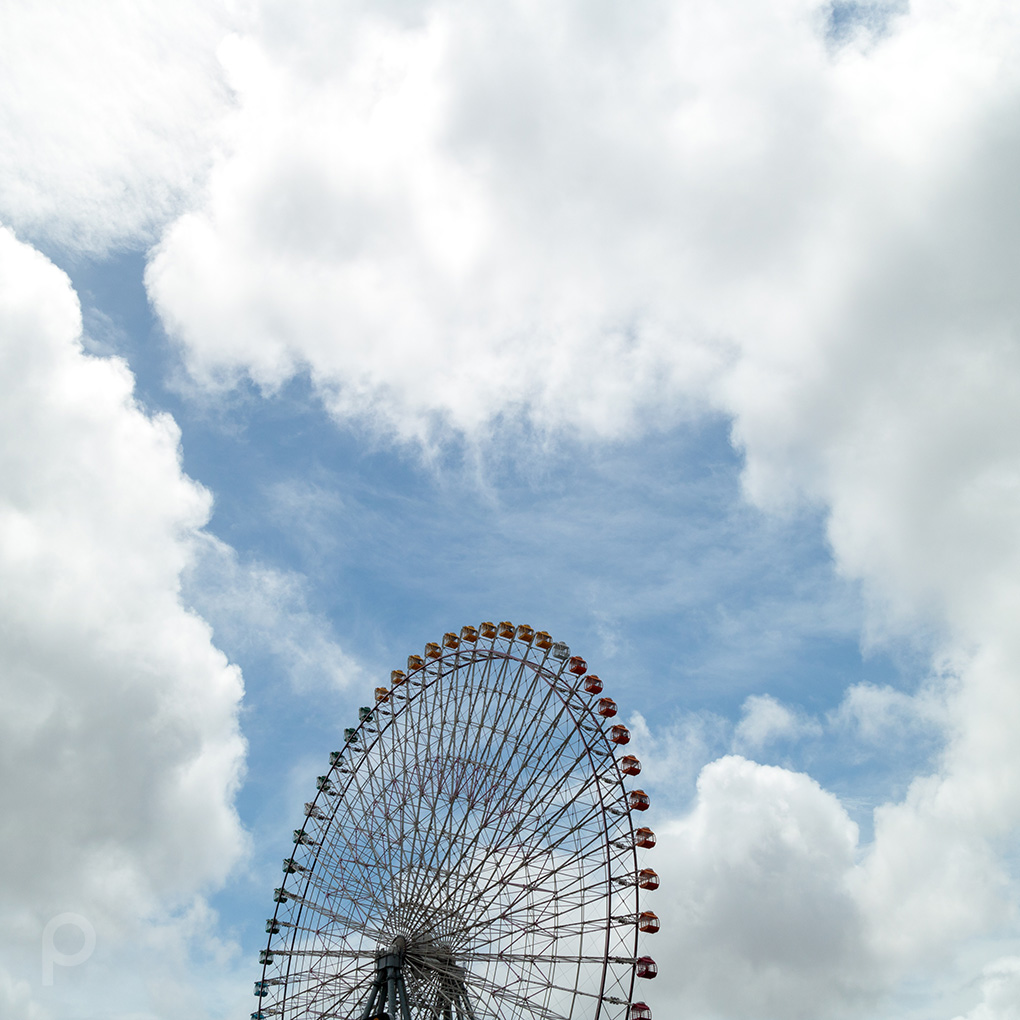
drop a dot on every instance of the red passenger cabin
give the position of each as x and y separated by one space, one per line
619 734
592 684
607 708
640 1011
629 765
648 922
648 879
646 967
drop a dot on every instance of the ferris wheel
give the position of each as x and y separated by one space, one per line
472 853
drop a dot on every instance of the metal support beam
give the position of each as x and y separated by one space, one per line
388 995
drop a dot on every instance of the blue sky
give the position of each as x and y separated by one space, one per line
686 333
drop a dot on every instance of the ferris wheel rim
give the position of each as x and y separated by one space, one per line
423 678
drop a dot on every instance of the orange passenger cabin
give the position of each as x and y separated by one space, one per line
592 684
639 800
607 708
644 838
648 879
619 734
629 765
577 665
648 922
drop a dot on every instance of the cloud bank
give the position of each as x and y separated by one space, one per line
119 739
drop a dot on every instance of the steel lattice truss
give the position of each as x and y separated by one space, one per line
478 815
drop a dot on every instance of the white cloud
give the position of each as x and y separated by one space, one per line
1000 986
880 715
119 739
260 610
764 720
758 917
108 115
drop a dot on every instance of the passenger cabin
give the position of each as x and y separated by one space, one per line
397 677
451 640
488 630
644 838
646 967
506 630
648 879
432 650
648 922
560 650
592 684
640 1011
639 800
607 708
525 633
629 765
468 634
414 662
577 665
543 640
619 734
382 694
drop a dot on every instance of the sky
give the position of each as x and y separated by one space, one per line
688 332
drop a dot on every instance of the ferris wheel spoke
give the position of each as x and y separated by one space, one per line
507 993
513 783
454 838
423 801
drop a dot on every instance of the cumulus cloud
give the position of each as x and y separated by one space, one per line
108 115
119 739
881 715
1000 987
764 720
761 918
